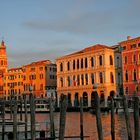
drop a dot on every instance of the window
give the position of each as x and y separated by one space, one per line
134 74
93 78
124 48
86 63
78 80
111 60
101 77
77 63
68 66
74 64
61 81
92 61
82 63
138 44
61 67
125 59
82 79
134 58
111 77
100 60
133 46
69 82
126 76
86 77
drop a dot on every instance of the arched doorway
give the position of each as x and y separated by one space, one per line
85 99
112 93
76 101
93 98
69 100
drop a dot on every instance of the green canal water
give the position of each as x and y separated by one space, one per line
73 125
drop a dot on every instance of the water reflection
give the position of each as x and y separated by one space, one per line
73 125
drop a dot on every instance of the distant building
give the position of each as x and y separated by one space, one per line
13 83
131 65
37 77
78 74
40 75
3 65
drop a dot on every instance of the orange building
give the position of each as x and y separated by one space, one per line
37 75
80 72
131 65
3 65
13 83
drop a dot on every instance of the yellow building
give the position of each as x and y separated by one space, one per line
79 73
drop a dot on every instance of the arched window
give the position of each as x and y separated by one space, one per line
92 61
126 76
61 82
111 60
68 66
100 60
78 80
77 63
82 79
111 77
101 77
61 67
134 73
69 82
86 63
86 77
92 78
82 63
74 64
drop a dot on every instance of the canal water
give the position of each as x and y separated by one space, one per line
73 125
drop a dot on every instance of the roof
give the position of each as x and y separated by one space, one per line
89 49
39 63
129 40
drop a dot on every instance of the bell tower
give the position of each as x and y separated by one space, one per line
3 65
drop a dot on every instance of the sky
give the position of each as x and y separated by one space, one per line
35 30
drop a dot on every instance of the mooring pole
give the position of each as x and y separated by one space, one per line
127 118
32 114
26 118
3 119
81 119
21 108
52 129
63 106
136 118
112 120
15 120
98 116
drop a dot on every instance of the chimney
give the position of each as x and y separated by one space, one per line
128 37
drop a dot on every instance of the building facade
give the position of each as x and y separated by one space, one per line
131 65
3 65
36 77
79 73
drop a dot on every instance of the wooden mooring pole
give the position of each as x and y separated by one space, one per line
81 118
52 129
26 118
112 120
63 105
136 118
3 119
15 121
127 118
98 116
32 114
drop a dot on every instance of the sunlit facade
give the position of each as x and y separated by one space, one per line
131 65
3 65
79 73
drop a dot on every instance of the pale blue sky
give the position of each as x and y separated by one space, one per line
47 29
